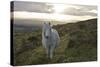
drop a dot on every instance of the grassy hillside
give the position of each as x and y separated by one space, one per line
78 43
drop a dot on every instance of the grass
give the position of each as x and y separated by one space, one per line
76 45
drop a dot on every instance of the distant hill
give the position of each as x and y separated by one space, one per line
72 27
82 31
25 28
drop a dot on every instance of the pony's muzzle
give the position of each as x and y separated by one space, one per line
47 37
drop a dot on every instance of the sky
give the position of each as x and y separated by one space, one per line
41 11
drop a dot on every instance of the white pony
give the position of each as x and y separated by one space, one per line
50 39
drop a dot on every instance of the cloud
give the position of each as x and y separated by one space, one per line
81 10
30 6
68 9
52 12
41 16
48 17
93 11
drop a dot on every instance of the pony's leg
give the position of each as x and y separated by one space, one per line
48 52
51 52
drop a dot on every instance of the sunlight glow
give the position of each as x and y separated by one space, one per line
58 8
48 17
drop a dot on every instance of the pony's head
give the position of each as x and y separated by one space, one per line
47 30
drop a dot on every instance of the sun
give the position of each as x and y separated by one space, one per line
58 8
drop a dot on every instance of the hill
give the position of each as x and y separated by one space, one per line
81 40
78 44
25 28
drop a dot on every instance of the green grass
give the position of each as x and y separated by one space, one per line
76 45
